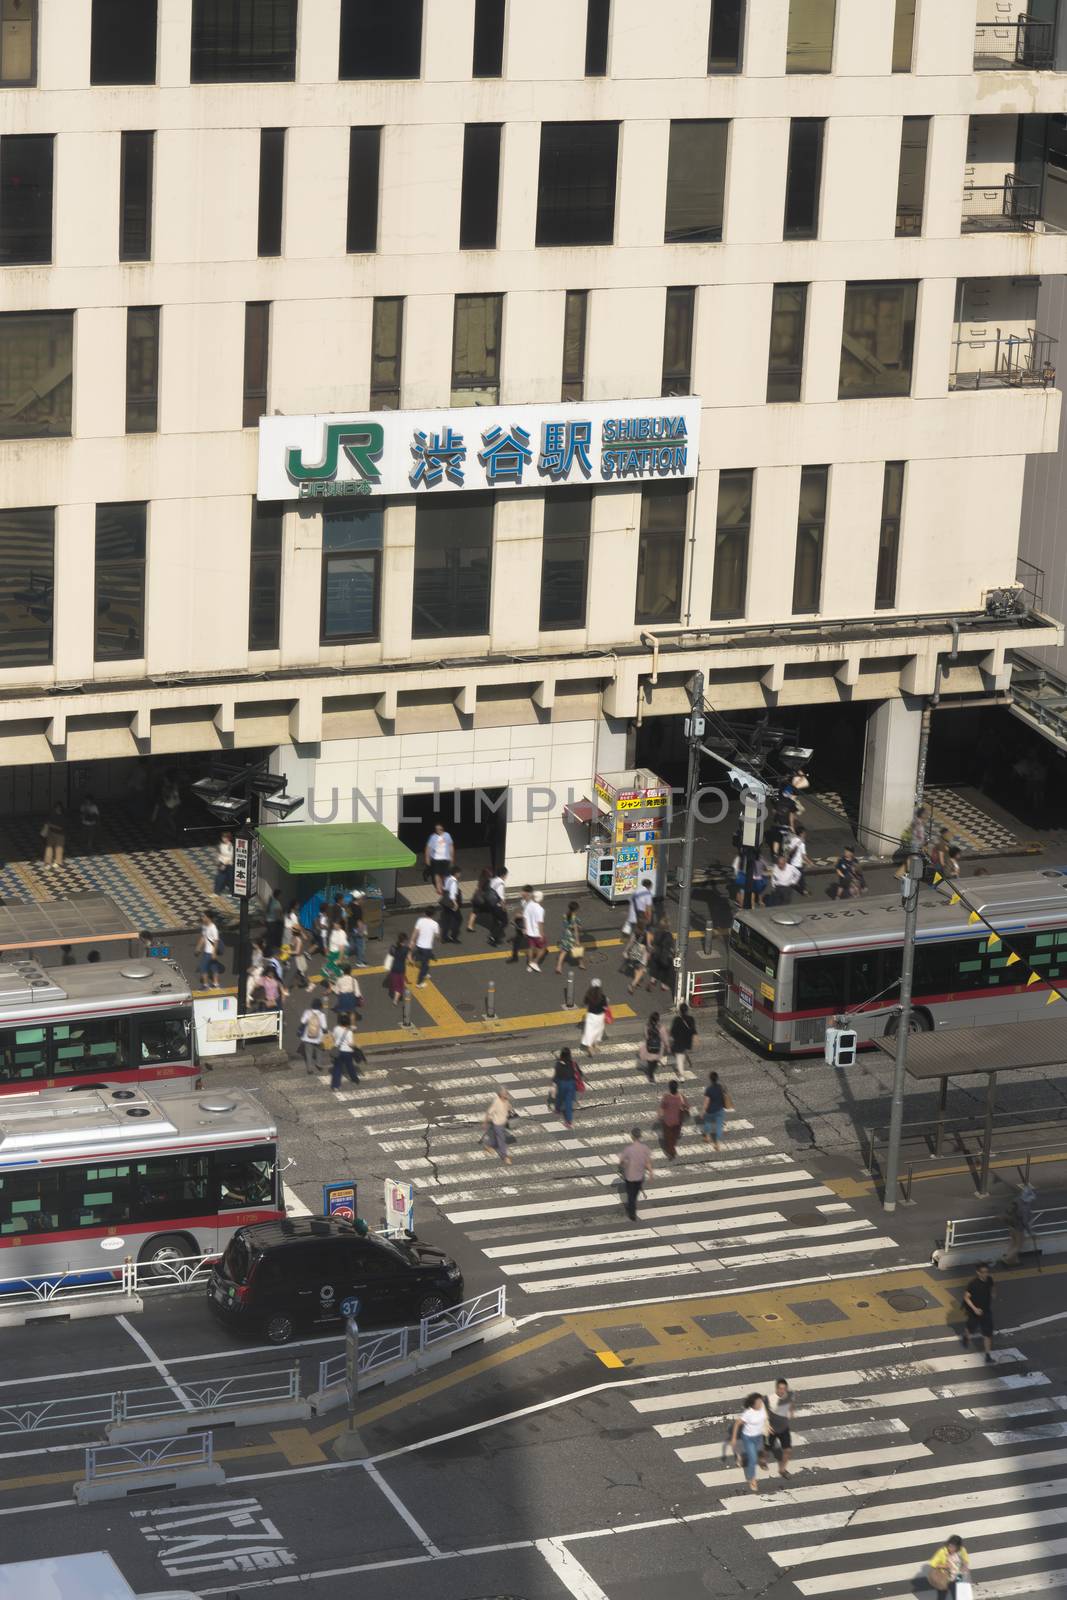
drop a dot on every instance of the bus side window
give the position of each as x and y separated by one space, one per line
246 1179
820 983
23 1054
163 1036
96 1197
95 1044
166 1187
29 1203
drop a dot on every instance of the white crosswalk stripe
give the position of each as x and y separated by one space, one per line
866 1517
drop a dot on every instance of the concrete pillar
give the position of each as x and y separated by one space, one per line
890 762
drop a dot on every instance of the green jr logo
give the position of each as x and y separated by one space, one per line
362 443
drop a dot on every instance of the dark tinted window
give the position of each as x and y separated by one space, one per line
120 581
810 39
36 351
678 313
364 160
811 537
25 198
123 46
27 586
565 558
351 575
488 58
885 589
575 313
576 183
877 339
244 1177
271 189
911 178
476 328
160 1036
243 41
597 33
168 1187
381 40
726 35
387 345
733 525
803 178
257 342
661 552
819 983
18 42
754 948
23 1055
903 35
135 209
142 369
265 575
696 182
91 1045
481 185
785 359
453 566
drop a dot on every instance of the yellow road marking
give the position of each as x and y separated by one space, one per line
298 1447
850 1188
609 1358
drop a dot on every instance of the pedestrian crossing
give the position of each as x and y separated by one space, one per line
552 1221
869 1499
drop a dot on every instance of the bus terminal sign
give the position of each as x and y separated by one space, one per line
483 447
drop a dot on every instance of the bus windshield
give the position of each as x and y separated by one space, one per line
752 946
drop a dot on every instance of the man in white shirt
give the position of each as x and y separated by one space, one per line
451 909
796 853
498 908
313 1032
784 879
518 932
207 948
640 907
439 854
533 925
423 940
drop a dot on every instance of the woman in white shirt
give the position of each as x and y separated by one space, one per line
747 1437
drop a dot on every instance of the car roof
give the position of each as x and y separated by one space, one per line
296 1230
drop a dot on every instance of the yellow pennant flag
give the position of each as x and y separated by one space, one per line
1054 995
1012 959
974 917
955 900
938 878
994 938
1035 977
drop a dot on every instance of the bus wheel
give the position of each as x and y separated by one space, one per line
159 1255
279 1329
918 1022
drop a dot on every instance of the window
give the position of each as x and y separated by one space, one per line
23 1055
811 529
160 1036
265 575
803 178
351 575
142 369
489 18
257 343
271 188
911 179
387 343
120 580
903 35
575 313
661 553
135 203
25 198
36 356
453 566
678 341
696 182
123 48
576 183
597 31
785 360
810 40
18 43
820 983
726 37
885 586
877 339
565 558
381 41
27 575
481 186
364 161
243 41
733 524
476 349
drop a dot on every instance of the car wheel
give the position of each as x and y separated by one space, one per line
430 1305
279 1329
158 1256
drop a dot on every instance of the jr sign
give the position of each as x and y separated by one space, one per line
484 447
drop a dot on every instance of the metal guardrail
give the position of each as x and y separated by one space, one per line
131 1278
1000 207
707 988
1012 360
376 1350
457 1319
210 1394
979 1231
45 1416
935 1132
1026 44
105 1462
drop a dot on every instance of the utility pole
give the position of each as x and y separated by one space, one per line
245 887
694 732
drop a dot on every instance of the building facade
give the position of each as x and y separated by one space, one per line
238 234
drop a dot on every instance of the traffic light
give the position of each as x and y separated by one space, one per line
840 1047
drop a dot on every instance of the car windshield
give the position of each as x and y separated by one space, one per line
237 1260
395 1248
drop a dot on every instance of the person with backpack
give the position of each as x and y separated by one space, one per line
313 1028
653 1046
344 1053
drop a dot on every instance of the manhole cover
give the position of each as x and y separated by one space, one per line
771 1316
862 1305
905 1300
804 1219
949 1433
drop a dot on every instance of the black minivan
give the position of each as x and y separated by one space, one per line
306 1273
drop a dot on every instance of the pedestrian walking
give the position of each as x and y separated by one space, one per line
313 1031
950 1569
451 909
596 1017
344 1053
635 1167
54 834
571 948
760 874
496 898
424 937
207 949
347 997
439 855
495 1125
673 1114
784 879
518 925
716 1104
275 929
396 969
567 1084
653 1047
939 850
337 939
480 899
781 1407
357 935
661 957
978 1310
533 923
747 1437
1020 1220
640 908
848 880
683 1034
271 990
89 813
637 956
797 853
224 865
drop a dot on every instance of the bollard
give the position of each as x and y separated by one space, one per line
405 1010
490 999
709 938
568 990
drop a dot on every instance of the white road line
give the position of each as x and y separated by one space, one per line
401 1510
948 1505
599 1280
855 1458
142 1342
902 1482
735 1242
864 1578
870 1429
1017 1408
569 1570
293 1203
1009 1588
918 1538
756 1180
1045 1430
581 1241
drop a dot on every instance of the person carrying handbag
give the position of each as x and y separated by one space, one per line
571 947
950 1570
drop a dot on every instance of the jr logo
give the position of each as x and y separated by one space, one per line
362 443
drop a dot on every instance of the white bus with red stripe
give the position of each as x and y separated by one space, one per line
791 969
89 1180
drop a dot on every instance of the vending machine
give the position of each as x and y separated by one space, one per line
633 818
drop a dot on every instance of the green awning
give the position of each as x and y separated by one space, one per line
304 849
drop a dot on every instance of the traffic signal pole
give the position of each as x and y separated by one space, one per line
694 734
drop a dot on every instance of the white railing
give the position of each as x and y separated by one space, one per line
123 1281
209 1394
982 1231
175 1274
457 1319
375 1350
72 1411
706 988
104 1462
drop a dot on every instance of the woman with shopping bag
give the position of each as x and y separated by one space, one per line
950 1570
